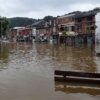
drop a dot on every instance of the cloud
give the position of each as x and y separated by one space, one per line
41 8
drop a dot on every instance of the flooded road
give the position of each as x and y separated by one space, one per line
27 71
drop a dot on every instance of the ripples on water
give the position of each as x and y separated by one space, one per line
26 71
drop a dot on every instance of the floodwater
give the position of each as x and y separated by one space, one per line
27 71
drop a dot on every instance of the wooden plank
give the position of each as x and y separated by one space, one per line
77 80
97 54
77 74
77 89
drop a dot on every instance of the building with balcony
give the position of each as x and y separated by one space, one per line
77 27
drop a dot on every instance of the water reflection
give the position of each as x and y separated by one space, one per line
21 53
30 70
14 47
69 58
4 56
81 58
60 57
4 53
84 59
77 88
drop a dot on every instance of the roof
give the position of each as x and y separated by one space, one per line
18 27
38 24
78 14
67 15
84 14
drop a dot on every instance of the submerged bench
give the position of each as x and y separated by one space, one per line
71 76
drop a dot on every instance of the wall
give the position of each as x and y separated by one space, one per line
97 17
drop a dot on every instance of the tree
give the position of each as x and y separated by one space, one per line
20 21
47 18
4 26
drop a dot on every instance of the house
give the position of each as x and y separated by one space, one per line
77 27
72 28
14 33
39 30
44 29
85 26
66 26
21 34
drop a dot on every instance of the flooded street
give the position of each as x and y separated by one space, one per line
27 71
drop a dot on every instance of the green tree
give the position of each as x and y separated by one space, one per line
4 26
20 21
47 18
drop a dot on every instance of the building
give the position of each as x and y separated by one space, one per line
66 27
14 33
77 27
39 30
72 28
44 30
98 28
21 34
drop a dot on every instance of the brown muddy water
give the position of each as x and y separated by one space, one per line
27 71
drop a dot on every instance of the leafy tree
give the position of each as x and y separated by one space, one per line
4 25
24 21
20 21
47 18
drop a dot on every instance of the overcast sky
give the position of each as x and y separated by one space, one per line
41 8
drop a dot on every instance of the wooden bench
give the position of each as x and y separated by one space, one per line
71 76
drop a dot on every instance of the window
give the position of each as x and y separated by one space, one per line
72 28
66 29
79 19
89 18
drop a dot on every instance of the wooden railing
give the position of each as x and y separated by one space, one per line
70 76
